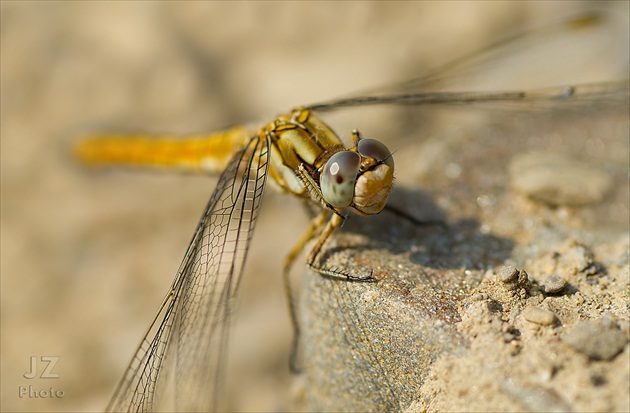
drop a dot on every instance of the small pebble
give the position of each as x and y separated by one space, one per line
539 316
479 297
576 259
558 180
535 398
595 340
507 274
554 284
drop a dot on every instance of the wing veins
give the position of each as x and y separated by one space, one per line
136 390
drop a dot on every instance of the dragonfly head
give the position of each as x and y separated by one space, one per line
360 179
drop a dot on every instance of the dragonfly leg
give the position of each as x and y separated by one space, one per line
404 215
333 223
324 228
311 186
314 228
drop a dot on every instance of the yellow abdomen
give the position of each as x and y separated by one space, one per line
202 154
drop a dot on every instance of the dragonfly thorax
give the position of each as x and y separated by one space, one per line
309 160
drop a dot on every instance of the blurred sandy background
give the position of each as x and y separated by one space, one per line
87 257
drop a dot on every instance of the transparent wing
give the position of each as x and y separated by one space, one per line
532 99
526 67
560 52
179 363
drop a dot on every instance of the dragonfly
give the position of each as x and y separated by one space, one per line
180 360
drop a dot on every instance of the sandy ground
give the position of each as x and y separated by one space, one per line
87 257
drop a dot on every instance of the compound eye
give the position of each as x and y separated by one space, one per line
371 148
338 178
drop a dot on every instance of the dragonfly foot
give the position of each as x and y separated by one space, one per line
404 215
336 272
